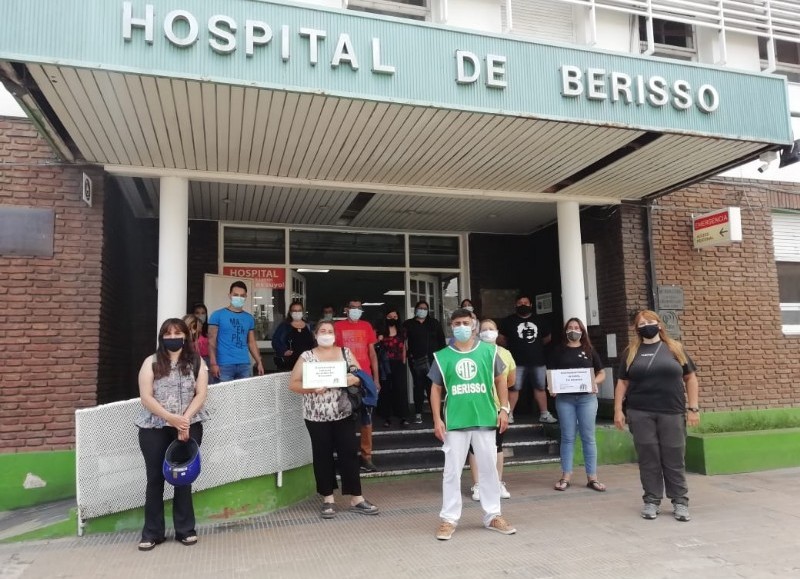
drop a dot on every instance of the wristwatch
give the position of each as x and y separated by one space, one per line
693 408
506 408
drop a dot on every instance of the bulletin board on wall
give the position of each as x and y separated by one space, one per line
498 303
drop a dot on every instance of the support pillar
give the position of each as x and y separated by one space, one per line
570 257
173 247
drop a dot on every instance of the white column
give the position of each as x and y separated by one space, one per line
570 259
173 247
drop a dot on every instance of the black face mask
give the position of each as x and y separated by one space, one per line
391 322
649 331
173 344
524 310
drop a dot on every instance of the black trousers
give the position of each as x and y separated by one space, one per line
393 399
154 443
660 441
422 388
340 437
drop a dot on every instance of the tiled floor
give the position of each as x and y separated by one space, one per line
743 526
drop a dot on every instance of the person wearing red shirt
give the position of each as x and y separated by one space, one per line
359 336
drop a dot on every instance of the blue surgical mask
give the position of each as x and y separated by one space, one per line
421 314
354 314
462 333
238 301
202 318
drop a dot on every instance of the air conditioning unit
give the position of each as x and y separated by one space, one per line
590 285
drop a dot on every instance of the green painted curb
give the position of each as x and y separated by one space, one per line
56 469
735 452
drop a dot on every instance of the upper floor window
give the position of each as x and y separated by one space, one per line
413 9
786 242
787 57
671 39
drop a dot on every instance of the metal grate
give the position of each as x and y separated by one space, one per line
256 428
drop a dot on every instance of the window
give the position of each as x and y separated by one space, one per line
670 39
433 251
787 57
253 245
789 290
346 248
413 9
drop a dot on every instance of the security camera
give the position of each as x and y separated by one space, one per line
763 167
767 159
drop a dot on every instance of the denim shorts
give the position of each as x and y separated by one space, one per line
533 375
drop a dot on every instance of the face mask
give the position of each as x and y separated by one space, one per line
421 314
648 331
524 310
489 336
202 318
326 339
354 314
462 333
391 322
173 344
327 317
574 335
469 308
297 316
238 301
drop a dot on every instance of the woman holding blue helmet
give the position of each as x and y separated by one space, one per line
173 384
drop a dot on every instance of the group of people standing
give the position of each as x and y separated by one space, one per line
472 385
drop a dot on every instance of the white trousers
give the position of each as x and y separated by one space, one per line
455 447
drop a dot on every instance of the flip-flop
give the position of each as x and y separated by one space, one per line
149 545
327 510
562 484
596 485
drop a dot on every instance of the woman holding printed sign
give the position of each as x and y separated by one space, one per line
328 415
577 410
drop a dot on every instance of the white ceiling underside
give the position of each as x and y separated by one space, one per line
267 156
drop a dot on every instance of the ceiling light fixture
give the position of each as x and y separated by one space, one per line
311 270
395 293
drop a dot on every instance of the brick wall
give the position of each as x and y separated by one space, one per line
732 324
49 307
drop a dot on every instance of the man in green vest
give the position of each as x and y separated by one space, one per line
470 372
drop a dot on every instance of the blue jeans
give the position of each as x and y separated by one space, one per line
230 372
577 412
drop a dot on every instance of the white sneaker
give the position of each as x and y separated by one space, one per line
504 494
511 418
547 418
476 493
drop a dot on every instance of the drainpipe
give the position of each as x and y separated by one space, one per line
651 258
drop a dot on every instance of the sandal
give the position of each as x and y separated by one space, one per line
365 508
149 545
188 541
562 484
596 485
328 510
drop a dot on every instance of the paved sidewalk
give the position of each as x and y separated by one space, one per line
743 526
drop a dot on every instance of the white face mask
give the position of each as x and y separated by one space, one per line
354 314
469 308
489 336
297 316
326 339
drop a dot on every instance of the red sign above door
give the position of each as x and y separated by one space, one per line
264 277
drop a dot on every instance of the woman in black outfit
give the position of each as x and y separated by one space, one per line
292 337
393 400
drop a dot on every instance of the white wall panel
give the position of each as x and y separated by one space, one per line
786 235
475 14
543 20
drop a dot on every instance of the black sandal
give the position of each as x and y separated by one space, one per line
149 545
365 508
188 541
328 510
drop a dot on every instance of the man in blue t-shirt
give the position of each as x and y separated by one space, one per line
232 339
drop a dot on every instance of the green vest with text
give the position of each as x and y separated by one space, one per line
469 385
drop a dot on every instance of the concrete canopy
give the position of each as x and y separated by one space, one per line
306 132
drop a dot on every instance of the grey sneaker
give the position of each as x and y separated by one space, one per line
547 418
681 512
650 511
417 419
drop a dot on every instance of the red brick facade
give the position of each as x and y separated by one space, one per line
732 323
49 307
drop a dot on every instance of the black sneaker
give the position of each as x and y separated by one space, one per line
368 466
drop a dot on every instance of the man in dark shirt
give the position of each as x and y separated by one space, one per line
525 335
424 336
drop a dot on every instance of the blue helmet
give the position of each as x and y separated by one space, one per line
182 462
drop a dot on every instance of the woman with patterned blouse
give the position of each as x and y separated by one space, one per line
329 419
173 384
